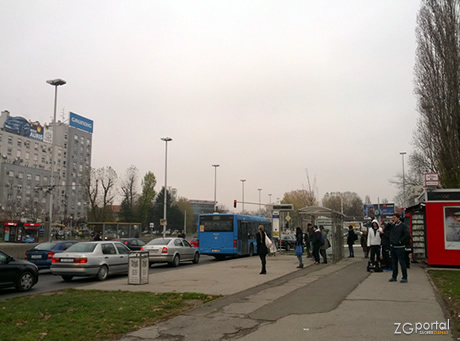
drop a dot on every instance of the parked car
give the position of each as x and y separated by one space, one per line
287 241
16 273
195 242
42 254
133 244
98 258
171 250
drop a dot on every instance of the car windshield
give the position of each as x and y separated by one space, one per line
82 247
44 246
159 241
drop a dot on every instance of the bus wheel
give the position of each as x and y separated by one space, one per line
251 250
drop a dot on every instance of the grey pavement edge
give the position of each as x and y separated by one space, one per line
324 302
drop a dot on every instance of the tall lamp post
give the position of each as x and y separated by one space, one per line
404 179
260 209
242 191
215 185
166 139
53 82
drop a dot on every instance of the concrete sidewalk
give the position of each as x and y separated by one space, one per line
322 302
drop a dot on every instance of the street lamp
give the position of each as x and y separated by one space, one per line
215 184
55 83
260 209
242 183
404 179
269 198
166 139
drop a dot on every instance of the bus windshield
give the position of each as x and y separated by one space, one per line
217 223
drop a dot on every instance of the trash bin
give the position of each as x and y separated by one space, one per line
138 268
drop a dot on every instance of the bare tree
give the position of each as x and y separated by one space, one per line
99 189
437 138
130 195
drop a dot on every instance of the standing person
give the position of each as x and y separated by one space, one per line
325 246
299 245
316 240
262 249
351 237
399 237
307 242
385 237
310 232
97 237
374 241
364 238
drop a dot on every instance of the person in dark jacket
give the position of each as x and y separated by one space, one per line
262 249
307 241
386 259
351 237
299 245
399 237
316 240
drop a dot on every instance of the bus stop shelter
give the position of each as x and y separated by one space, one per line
336 228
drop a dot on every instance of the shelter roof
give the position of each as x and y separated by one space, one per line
319 211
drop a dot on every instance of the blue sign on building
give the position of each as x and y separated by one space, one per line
81 122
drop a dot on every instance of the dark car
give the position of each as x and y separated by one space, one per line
287 241
42 254
18 125
16 273
133 244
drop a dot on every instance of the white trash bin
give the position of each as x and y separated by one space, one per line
138 268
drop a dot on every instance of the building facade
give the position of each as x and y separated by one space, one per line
25 169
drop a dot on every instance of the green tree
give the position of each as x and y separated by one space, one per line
437 87
146 199
186 209
299 199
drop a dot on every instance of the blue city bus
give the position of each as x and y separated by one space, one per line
227 235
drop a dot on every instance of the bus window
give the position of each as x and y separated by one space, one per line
217 223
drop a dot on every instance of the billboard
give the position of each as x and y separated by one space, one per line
21 126
373 210
81 122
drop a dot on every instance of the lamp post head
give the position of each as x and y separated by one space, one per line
402 153
215 165
56 82
166 139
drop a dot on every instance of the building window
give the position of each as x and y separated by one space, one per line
10 140
9 151
36 147
18 154
65 136
0 137
27 144
10 174
29 176
27 155
19 142
37 178
20 175
43 159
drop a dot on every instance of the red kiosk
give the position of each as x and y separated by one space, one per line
435 227
21 232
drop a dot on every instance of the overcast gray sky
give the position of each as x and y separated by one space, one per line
266 89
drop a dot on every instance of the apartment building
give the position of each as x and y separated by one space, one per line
25 168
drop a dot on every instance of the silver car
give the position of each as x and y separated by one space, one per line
172 251
98 258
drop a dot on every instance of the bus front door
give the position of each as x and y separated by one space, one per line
243 238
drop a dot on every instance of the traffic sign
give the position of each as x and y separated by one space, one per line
163 222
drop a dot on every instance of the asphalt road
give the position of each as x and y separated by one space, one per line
47 282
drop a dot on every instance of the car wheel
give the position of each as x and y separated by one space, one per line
102 273
251 251
176 261
288 247
26 281
196 258
67 278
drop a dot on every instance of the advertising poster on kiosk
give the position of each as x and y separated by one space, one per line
452 227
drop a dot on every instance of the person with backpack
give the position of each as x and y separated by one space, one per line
316 241
324 243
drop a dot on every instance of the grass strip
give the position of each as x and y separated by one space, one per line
448 284
89 314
